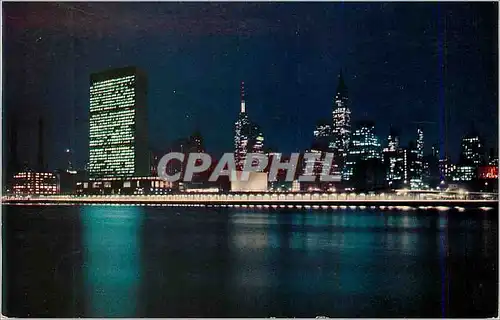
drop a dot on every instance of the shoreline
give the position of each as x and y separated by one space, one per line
249 203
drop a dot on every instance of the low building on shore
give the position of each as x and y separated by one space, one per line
124 186
29 182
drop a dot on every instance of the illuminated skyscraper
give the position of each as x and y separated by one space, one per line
416 180
241 133
420 142
118 124
471 157
364 145
393 157
248 137
341 126
447 169
471 151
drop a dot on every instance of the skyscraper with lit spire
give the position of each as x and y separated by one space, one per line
248 136
341 126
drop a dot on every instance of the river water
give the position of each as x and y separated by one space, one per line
134 261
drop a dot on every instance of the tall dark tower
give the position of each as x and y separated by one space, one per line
41 164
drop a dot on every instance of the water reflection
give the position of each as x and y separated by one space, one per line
193 262
111 263
343 254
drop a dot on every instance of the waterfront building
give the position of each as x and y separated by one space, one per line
118 124
341 127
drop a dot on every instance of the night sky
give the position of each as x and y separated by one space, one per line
401 62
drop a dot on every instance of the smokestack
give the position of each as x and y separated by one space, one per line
242 109
13 145
41 164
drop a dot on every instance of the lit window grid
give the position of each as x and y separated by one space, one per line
464 173
112 119
471 150
395 168
341 133
364 145
240 140
420 143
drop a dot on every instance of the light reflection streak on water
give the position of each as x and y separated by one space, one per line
112 259
443 253
258 231
248 241
443 221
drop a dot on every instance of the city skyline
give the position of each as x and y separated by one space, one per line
286 117
250 159
384 141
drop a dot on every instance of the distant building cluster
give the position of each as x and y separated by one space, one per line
120 161
367 162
